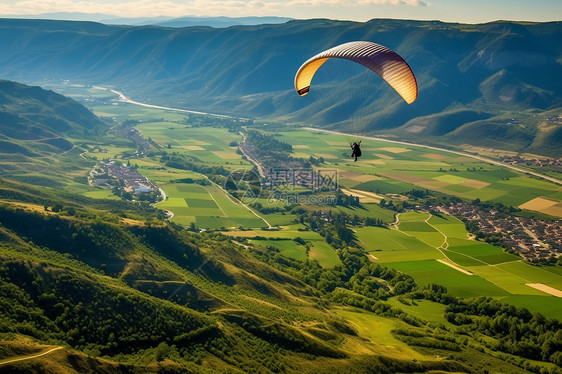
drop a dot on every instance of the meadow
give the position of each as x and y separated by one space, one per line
284 241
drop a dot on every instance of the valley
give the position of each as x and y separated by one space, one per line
467 99
417 245
169 204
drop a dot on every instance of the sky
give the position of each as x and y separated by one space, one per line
465 11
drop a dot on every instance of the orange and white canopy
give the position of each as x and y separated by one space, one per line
383 61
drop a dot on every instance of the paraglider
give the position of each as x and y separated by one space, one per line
386 63
356 150
383 61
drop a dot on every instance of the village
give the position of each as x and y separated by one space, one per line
533 239
538 162
124 179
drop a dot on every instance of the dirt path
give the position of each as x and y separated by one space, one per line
546 289
29 357
445 262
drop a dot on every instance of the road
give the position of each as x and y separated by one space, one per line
125 99
30 357
255 162
480 158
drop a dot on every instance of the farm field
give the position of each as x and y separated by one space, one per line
369 210
208 144
400 168
287 247
468 268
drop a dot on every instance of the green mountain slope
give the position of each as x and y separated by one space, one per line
140 295
32 113
494 68
39 127
35 122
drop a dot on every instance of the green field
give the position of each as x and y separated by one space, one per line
486 253
400 168
393 245
369 210
546 305
287 247
323 253
423 309
206 206
319 249
421 239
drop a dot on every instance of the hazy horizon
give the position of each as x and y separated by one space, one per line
479 11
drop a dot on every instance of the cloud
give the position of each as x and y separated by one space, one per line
135 8
352 3
176 8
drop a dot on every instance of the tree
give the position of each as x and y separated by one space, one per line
162 351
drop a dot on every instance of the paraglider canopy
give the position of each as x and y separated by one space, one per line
383 61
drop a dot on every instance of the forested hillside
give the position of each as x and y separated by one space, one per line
486 84
153 298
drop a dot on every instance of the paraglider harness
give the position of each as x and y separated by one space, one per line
356 150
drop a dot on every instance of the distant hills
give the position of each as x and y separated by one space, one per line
495 84
35 122
186 21
216 22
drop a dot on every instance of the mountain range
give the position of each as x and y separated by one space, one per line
186 21
494 84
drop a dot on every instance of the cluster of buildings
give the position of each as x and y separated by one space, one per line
540 162
111 173
533 239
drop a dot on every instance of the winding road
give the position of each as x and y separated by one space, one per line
125 99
